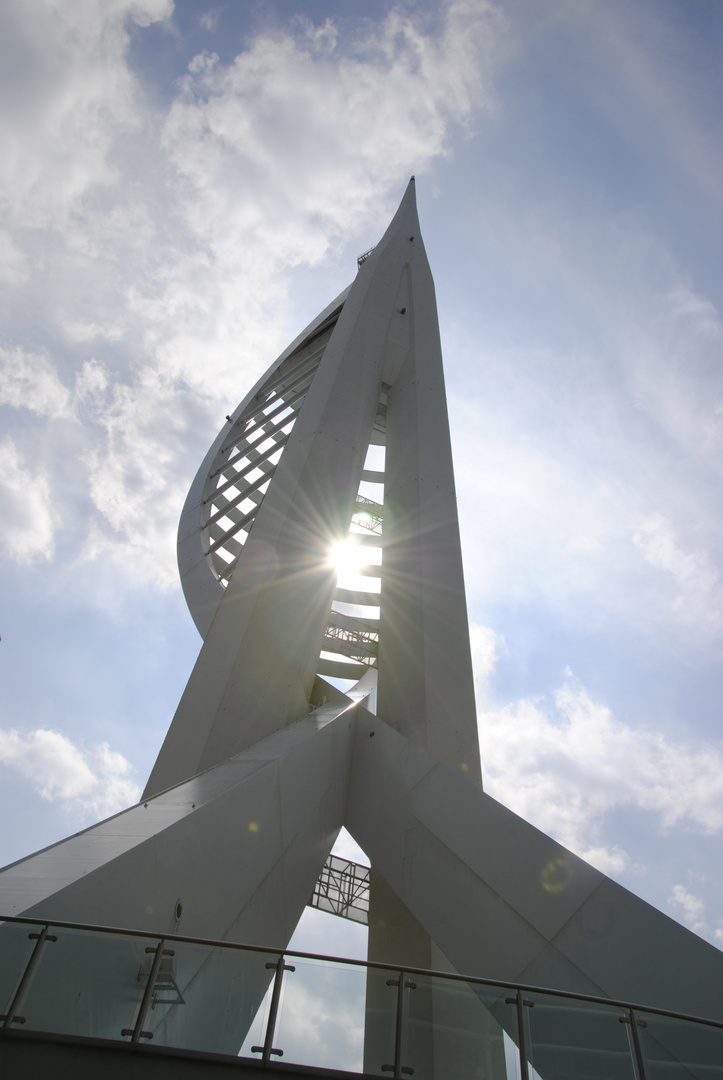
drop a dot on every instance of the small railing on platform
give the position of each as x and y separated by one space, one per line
364 256
217 997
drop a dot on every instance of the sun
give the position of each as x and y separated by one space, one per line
347 557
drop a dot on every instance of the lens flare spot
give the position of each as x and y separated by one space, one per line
557 875
253 826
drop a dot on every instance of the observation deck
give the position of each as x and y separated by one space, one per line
310 1018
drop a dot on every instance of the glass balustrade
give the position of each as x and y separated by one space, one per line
321 1018
84 983
16 951
577 1038
328 1013
678 1050
454 1029
207 998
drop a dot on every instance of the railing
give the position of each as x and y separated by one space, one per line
364 256
327 1012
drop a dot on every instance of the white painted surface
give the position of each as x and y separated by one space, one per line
503 900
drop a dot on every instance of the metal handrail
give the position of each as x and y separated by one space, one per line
377 966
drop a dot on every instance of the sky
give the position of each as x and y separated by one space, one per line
184 186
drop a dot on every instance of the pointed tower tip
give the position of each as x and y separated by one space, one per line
405 220
410 195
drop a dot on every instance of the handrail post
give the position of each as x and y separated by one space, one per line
523 1046
397 1069
136 1032
268 1048
639 1059
28 975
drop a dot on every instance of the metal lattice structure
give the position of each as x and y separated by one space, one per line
245 464
239 476
343 890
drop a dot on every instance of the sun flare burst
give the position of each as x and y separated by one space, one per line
348 557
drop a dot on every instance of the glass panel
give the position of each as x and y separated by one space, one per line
253 1044
380 1020
87 984
681 1050
577 1039
15 951
454 1029
207 998
321 1018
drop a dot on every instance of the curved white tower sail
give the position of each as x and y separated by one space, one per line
345 441
278 492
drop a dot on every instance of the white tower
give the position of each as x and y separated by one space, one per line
265 760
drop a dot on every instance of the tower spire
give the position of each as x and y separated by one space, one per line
359 371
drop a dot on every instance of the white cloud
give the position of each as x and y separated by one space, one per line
209 19
652 95
133 478
484 644
698 597
68 94
565 766
27 521
250 137
670 345
545 528
13 264
563 451
165 241
98 782
30 381
692 907
91 385
251 202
